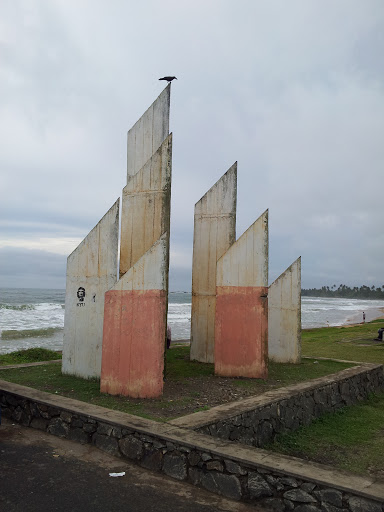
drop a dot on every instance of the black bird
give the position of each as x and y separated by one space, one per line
168 78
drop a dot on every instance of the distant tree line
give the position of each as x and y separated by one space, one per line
362 292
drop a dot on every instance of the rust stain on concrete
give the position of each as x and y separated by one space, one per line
241 331
133 358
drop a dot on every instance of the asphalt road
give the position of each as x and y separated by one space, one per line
40 472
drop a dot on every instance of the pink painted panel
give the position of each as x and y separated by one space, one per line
133 343
241 331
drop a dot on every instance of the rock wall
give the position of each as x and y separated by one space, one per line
287 409
232 470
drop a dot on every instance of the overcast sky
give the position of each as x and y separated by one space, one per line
293 91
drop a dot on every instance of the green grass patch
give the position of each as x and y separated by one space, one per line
203 408
50 379
351 439
308 369
31 355
355 343
284 374
186 379
180 367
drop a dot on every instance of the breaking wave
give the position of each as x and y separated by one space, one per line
13 334
17 307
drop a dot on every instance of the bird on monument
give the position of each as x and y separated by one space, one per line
168 78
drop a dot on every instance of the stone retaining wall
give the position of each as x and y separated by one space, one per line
236 471
257 420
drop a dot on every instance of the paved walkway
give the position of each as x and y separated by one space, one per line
40 472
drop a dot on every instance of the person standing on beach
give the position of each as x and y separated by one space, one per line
169 336
363 317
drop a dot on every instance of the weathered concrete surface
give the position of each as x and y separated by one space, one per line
214 233
136 308
135 327
91 271
246 261
241 320
149 132
241 331
146 206
284 316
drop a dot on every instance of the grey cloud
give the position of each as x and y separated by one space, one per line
291 91
23 268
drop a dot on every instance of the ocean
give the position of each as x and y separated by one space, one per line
35 317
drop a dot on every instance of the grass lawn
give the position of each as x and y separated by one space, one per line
351 439
31 355
355 343
186 381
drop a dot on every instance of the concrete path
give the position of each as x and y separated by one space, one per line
43 472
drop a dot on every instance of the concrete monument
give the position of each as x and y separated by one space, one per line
91 271
214 233
145 214
284 316
135 326
241 319
148 133
136 308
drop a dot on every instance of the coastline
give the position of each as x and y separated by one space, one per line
30 317
371 314
327 313
375 314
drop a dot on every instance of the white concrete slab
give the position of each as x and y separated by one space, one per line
284 316
246 262
91 271
214 233
149 132
145 212
150 272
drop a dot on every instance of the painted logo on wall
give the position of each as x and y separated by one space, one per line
81 296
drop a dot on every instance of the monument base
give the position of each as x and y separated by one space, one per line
133 356
241 331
